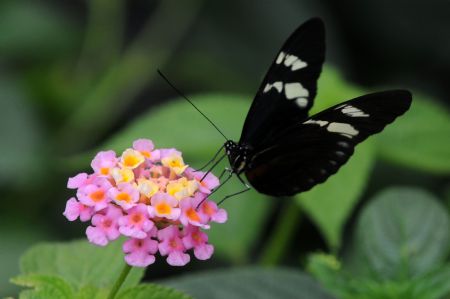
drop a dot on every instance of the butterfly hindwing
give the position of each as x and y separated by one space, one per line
362 116
289 87
307 153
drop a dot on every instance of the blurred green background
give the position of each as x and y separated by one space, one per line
80 76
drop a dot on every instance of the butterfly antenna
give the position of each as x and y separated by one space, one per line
183 96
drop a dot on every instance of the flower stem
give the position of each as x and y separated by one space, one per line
119 281
281 235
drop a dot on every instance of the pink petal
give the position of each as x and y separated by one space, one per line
139 259
164 248
220 217
72 210
96 236
143 145
168 232
112 233
132 232
178 258
77 181
204 251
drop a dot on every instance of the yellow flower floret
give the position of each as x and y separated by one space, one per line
182 188
122 175
191 186
147 187
131 159
175 163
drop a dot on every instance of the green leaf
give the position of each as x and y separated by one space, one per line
419 139
44 286
402 233
330 203
253 282
80 263
327 269
91 292
151 291
434 284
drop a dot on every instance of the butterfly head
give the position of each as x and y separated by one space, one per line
237 155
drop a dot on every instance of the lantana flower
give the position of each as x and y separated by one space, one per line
104 226
172 245
152 198
125 195
95 194
164 205
104 162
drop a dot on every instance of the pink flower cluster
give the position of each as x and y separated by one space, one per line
149 196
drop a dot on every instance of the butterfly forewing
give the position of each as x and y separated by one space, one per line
289 87
308 152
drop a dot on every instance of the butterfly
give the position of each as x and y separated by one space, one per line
283 151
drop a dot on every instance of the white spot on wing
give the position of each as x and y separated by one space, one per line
298 92
344 129
278 85
316 122
340 106
291 61
280 57
302 102
353 111
299 64
295 90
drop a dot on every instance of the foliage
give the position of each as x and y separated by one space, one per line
81 270
398 251
250 282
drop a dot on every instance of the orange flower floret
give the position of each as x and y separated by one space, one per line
123 196
98 195
193 215
104 170
163 208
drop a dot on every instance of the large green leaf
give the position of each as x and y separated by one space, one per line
151 291
79 262
330 203
44 286
261 283
420 138
402 233
432 285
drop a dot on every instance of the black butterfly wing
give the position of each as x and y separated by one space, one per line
289 87
309 152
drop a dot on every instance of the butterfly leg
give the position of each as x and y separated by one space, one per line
230 174
223 172
212 160
234 194
247 187
212 167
